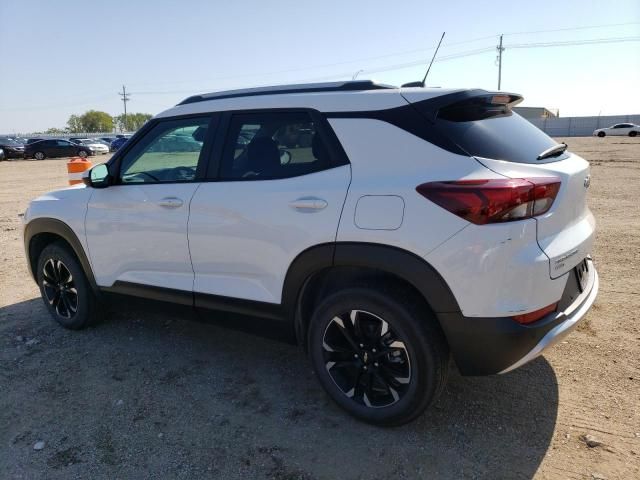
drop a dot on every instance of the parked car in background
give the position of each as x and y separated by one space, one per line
12 149
107 140
56 148
619 129
117 143
1 154
93 144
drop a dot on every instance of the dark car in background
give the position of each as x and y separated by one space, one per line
117 143
33 140
107 140
12 149
56 148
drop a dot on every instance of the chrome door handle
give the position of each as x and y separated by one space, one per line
170 202
308 204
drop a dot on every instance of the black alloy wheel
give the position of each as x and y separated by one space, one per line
64 287
378 352
59 288
366 359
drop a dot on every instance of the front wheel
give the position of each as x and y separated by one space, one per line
82 154
39 155
633 134
378 358
65 289
601 134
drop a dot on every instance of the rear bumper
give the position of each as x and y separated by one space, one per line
486 346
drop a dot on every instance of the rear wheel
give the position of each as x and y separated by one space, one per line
633 134
39 156
65 289
380 360
82 154
601 134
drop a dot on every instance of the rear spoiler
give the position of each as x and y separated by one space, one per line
468 105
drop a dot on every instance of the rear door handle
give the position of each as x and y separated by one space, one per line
170 202
308 204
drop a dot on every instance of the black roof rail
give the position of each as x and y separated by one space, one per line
345 86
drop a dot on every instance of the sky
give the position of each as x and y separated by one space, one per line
68 56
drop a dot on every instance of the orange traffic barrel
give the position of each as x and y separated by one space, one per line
75 168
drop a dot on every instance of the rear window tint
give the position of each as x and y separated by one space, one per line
508 137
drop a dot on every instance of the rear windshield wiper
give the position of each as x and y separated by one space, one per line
553 151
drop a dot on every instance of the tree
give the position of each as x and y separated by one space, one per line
55 131
74 125
90 121
134 121
95 121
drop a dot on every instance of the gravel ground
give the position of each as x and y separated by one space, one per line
150 395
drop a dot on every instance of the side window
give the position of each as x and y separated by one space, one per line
169 152
63 143
262 146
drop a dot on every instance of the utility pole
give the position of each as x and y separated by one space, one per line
500 49
125 99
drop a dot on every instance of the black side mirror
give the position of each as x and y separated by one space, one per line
97 177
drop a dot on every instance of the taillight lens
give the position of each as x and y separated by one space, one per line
531 317
495 200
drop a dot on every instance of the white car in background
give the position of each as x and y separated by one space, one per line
92 144
627 129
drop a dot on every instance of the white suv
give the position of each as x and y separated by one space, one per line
387 228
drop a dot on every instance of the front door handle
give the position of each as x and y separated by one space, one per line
170 202
308 204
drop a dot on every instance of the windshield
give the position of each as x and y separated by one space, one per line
8 141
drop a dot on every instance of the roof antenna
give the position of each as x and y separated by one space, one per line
422 83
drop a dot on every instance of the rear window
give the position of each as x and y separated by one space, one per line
486 127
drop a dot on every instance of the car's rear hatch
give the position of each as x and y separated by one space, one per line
482 125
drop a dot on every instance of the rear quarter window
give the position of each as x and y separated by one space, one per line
509 137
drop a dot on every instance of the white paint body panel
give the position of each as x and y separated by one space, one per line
68 205
243 235
379 212
566 232
387 160
132 238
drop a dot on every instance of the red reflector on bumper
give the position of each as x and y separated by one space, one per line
535 316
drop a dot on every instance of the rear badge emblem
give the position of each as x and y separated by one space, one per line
587 181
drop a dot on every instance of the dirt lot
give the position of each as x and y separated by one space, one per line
147 395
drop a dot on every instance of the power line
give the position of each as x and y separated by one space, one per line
591 41
568 29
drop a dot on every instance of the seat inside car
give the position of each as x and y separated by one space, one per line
263 157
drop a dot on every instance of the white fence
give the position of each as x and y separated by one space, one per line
580 126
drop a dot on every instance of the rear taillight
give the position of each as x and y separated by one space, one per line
495 200
531 317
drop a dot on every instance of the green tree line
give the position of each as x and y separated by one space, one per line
96 121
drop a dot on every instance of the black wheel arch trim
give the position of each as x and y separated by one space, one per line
393 260
60 229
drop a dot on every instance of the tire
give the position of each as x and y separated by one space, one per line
633 134
83 154
406 367
601 134
64 287
39 156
